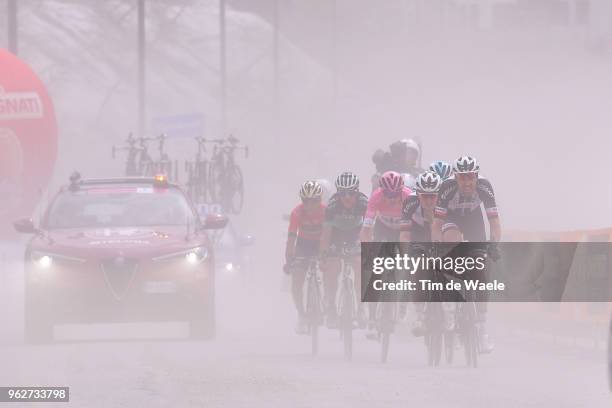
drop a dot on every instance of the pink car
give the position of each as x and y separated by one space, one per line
119 250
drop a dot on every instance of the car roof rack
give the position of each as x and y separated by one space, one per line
119 180
76 182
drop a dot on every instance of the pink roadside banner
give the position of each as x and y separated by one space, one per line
28 140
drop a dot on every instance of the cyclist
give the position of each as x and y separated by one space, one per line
458 217
303 240
442 168
403 157
343 220
383 221
418 214
418 209
383 217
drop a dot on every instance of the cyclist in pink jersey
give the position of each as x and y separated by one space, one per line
383 218
383 221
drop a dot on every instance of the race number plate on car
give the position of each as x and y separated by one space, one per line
160 287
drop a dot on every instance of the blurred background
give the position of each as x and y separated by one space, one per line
314 87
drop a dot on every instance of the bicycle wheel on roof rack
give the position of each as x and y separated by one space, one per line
235 192
215 181
147 168
201 179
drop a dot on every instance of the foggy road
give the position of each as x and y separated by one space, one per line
314 89
257 360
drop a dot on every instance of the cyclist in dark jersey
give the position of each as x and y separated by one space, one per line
343 221
459 217
459 202
418 214
418 210
303 240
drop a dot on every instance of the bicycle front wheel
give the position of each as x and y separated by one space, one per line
387 321
449 346
471 347
314 312
469 333
347 316
434 348
215 181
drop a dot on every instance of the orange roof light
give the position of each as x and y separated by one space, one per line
161 179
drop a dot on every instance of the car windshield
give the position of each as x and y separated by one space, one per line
119 206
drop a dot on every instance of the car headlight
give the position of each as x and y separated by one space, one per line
191 256
44 260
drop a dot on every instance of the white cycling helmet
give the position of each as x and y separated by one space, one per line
347 181
466 164
311 189
428 182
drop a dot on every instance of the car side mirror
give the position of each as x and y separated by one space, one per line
25 226
214 222
247 240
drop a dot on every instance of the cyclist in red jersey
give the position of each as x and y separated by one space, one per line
303 240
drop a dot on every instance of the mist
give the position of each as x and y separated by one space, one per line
526 90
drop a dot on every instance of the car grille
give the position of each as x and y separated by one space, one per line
119 274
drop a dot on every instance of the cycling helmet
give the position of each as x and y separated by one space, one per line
405 144
311 189
347 181
409 180
391 182
466 164
442 168
428 182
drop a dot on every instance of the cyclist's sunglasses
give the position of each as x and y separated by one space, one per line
311 200
391 194
347 193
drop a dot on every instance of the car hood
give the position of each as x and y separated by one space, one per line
129 241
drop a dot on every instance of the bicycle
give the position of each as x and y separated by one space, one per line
197 174
132 163
348 307
313 308
386 315
225 176
466 318
163 165
437 336
466 326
